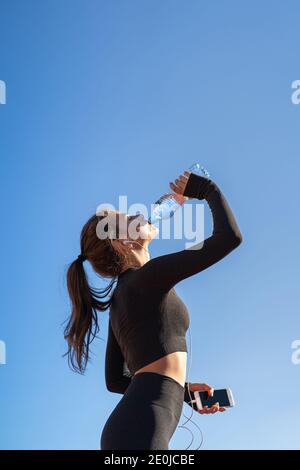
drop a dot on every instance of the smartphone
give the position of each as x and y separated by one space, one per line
223 396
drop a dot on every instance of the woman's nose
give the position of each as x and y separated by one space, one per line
138 214
135 216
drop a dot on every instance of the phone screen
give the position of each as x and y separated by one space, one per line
220 396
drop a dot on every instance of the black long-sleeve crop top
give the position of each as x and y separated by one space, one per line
147 319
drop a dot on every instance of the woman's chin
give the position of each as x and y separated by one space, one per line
153 231
149 232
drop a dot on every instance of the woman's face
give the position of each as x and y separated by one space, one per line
138 228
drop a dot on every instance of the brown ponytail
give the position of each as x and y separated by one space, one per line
82 326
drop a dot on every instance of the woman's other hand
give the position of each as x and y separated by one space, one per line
179 185
196 387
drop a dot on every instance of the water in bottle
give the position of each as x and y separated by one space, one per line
166 206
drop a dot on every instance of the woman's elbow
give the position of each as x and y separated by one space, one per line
109 387
236 239
232 240
115 386
112 388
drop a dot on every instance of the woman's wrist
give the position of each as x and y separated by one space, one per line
198 187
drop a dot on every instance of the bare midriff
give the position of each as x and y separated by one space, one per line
172 365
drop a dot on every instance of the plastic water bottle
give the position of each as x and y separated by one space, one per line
166 206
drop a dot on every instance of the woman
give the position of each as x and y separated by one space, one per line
146 351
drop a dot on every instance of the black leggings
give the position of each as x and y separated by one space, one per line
146 416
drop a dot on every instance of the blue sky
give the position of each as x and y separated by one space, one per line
106 98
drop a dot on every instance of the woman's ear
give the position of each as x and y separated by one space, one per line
120 245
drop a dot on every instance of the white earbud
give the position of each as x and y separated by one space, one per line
128 242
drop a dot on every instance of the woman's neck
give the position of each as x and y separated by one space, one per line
137 257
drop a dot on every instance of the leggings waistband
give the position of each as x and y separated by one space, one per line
165 377
158 388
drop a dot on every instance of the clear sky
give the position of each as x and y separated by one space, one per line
109 98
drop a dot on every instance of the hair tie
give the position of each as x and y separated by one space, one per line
81 257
